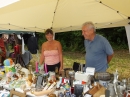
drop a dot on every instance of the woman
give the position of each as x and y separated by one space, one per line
51 53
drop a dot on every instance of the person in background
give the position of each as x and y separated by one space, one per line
51 53
11 40
98 50
5 38
2 50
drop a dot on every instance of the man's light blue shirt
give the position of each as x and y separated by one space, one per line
97 52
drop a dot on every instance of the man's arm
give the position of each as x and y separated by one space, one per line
109 57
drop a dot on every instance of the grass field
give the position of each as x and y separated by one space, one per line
120 61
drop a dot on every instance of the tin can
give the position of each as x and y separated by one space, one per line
60 94
73 95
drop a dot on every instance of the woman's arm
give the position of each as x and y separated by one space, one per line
42 56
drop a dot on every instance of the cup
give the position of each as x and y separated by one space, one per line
111 89
120 90
72 90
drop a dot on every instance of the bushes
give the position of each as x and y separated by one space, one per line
74 41
71 41
116 36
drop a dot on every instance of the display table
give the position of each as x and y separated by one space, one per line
4 85
29 94
21 85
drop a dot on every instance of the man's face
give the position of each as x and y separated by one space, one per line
87 32
49 37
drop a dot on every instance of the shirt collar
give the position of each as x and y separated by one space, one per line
95 37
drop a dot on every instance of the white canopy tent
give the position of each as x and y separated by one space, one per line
64 15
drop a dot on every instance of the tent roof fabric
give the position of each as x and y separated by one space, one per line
63 15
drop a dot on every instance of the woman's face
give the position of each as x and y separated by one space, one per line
49 37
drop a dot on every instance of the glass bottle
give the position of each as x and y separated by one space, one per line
56 73
62 73
30 75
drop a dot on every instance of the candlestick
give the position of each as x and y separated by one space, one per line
36 64
45 68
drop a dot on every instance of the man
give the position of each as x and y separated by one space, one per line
98 50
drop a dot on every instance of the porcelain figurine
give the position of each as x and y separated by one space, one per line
18 67
116 75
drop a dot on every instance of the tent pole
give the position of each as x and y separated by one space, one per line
127 28
53 36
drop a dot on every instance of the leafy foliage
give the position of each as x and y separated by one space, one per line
116 36
71 41
41 39
74 41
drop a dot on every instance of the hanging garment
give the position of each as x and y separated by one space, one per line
23 51
32 45
26 57
26 37
17 49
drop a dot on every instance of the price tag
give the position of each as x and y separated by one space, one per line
90 71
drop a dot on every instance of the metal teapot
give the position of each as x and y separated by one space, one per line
116 75
111 89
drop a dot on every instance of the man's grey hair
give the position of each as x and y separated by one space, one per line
90 25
